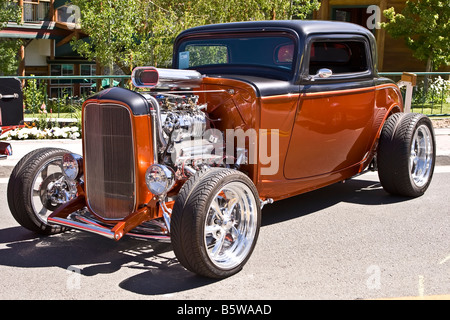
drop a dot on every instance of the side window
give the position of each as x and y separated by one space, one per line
338 56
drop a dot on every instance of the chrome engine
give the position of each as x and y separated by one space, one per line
184 142
182 136
182 118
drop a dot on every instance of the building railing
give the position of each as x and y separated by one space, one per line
63 98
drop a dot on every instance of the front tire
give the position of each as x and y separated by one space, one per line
215 222
407 154
37 187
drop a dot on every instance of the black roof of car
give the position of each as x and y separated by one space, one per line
302 27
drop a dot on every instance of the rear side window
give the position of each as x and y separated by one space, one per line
338 56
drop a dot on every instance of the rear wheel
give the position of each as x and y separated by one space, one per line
407 154
37 187
215 222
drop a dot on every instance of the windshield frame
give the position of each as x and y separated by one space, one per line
242 69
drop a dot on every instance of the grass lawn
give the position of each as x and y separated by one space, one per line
431 109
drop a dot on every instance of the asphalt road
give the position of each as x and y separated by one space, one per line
346 241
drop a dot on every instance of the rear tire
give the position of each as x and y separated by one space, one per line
406 154
34 189
215 222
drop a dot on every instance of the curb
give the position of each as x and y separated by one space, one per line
22 147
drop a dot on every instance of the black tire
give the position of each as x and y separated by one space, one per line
193 210
20 186
400 158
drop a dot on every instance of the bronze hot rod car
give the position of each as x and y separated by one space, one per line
252 113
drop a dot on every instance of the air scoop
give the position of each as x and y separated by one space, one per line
150 77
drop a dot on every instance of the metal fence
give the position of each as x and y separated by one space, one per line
431 95
62 96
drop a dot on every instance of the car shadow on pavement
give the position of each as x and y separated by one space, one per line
161 272
157 270
356 191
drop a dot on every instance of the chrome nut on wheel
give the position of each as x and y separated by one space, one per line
215 222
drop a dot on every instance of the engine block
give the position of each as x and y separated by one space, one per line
183 124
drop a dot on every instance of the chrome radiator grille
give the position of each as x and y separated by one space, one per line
109 160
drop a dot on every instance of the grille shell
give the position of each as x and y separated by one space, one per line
109 160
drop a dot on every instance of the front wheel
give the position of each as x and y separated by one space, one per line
215 222
407 154
37 187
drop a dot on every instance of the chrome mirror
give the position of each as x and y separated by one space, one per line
324 73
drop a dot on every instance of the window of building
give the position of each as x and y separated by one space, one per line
89 85
36 10
64 86
357 14
68 14
60 92
87 69
62 69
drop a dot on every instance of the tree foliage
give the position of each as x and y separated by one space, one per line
130 33
122 32
425 26
9 47
8 53
8 12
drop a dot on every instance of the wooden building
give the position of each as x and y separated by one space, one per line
393 54
46 30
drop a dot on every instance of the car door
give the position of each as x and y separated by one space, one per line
334 117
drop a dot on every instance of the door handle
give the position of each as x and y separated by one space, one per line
10 96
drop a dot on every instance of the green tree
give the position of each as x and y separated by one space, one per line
119 31
8 53
130 33
219 11
9 48
34 96
302 9
8 12
425 26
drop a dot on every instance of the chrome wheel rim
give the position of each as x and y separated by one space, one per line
421 156
231 225
50 189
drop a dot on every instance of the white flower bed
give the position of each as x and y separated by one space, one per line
35 133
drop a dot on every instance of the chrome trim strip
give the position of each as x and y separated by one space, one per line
92 227
82 226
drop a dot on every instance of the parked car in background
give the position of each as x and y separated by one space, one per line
11 110
5 150
251 113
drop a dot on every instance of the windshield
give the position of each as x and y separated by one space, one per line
239 54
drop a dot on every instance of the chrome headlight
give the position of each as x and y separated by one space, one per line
160 179
72 166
